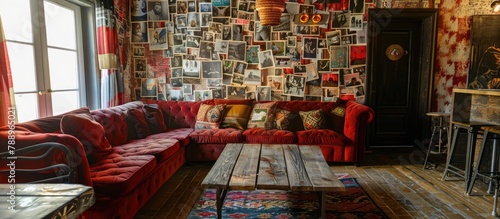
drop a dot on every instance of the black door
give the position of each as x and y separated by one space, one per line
398 81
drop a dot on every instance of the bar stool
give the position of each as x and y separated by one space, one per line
438 128
454 154
490 132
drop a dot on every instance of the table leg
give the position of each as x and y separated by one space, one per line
220 196
322 203
471 143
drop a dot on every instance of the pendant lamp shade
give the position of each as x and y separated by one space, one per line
270 11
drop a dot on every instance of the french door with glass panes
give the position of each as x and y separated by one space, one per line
45 53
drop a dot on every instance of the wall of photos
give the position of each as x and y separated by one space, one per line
195 50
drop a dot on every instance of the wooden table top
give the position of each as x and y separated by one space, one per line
45 200
273 167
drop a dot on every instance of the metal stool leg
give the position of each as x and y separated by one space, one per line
450 153
431 144
478 163
495 198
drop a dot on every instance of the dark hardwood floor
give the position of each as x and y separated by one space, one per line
396 182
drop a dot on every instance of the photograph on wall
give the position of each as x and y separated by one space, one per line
299 69
158 10
191 6
207 49
138 10
310 47
200 95
237 79
139 32
357 6
149 87
193 20
181 7
176 95
352 79
193 41
330 80
294 85
214 82
252 77
291 41
338 56
218 93
236 50
357 54
176 61
340 19
250 95
176 72
191 69
239 67
140 64
181 20
176 82
263 93
356 22
278 47
237 32
211 69
235 92
311 73
333 38
323 65
138 51
205 7
252 54
261 33
187 88
331 92
158 39
314 90
275 82
266 59
283 62
359 90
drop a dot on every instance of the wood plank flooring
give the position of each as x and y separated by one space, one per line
396 182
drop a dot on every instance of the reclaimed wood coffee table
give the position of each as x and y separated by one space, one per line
271 167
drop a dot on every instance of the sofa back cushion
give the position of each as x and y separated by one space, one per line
51 124
138 126
114 121
154 118
295 122
89 132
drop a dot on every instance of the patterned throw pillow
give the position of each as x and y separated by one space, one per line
262 115
338 115
313 119
209 116
89 132
236 116
154 118
283 119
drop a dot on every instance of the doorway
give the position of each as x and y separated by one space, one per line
401 48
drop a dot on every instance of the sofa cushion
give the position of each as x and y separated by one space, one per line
227 101
285 119
322 137
262 115
154 118
162 149
209 116
180 134
89 132
313 119
221 136
236 116
271 136
137 123
116 175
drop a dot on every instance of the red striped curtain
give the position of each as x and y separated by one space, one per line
107 49
7 102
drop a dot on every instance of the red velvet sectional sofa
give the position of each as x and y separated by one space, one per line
134 165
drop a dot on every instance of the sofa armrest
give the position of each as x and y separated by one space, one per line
24 139
357 118
56 172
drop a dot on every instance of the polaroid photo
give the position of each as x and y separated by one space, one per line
214 82
261 33
275 82
206 49
236 50
252 77
193 20
205 7
250 95
330 80
352 80
310 47
211 69
266 59
139 64
239 67
263 93
294 85
191 69
357 54
331 92
339 56
291 41
218 93
182 7
238 79
176 95
227 67
138 51
278 47
299 69
252 54
187 88
227 79
323 65
200 95
149 87
283 62
235 92
176 61
176 82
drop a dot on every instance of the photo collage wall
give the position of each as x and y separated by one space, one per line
190 50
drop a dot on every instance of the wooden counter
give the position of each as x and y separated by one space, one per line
471 106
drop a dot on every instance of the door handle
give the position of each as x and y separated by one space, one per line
48 91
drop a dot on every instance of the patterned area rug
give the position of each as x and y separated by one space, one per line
352 203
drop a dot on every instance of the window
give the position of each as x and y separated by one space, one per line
45 40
